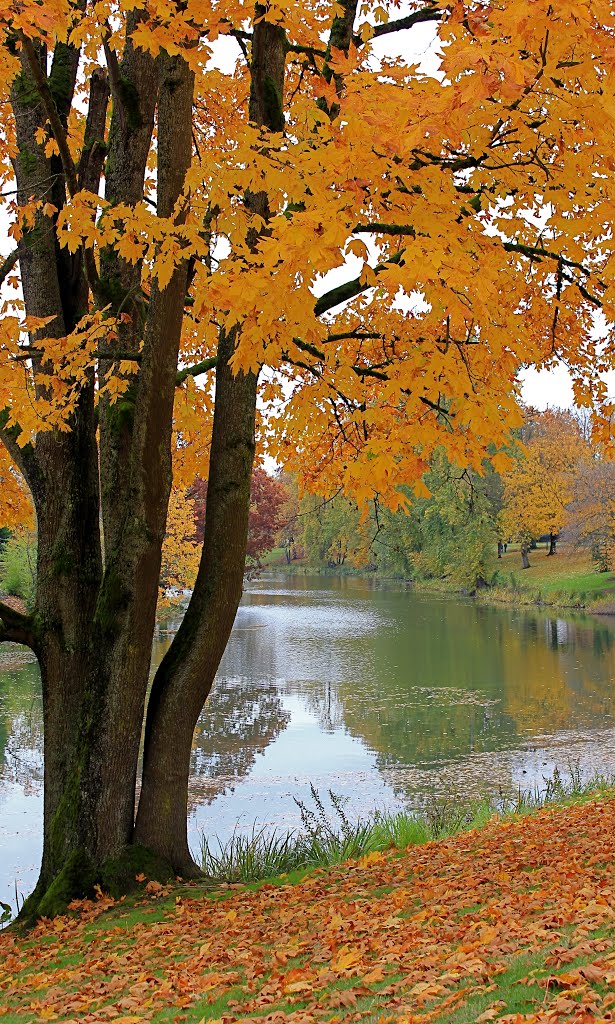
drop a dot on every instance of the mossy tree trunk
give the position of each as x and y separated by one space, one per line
93 621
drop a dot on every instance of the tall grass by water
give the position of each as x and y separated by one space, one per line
330 837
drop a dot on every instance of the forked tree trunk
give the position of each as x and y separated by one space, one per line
525 559
185 677
92 627
186 674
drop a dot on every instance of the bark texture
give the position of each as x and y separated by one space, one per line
93 620
101 490
186 675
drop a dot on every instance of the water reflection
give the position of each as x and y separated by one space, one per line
21 722
368 689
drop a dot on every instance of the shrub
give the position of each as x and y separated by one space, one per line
18 567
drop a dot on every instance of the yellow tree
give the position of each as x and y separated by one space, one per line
540 484
592 512
171 220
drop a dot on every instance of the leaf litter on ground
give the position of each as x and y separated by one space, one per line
512 923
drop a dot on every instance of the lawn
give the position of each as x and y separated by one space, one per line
513 922
569 572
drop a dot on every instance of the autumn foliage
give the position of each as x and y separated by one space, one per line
267 498
408 938
310 248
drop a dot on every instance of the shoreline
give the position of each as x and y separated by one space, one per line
495 595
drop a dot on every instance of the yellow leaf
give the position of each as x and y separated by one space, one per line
346 959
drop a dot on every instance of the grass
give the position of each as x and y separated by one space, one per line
511 919
326 839
566 579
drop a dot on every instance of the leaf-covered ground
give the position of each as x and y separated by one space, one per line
515 922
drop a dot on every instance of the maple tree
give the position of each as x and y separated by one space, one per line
172 220
539 486
591 513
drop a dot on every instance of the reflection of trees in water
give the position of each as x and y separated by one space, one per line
453 680
21 722
322 699
243 713
423 683
241 718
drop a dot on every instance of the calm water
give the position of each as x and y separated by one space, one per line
367 689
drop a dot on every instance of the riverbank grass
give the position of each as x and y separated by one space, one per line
329 837
567 578
515 918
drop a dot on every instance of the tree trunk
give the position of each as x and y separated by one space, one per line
552 544
93 628
186 675
525 560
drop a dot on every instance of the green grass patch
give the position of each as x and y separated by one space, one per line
326 839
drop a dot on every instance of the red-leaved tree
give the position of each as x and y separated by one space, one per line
267 497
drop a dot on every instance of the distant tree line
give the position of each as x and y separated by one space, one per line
553 482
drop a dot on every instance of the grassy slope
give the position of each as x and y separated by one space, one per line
569 570
515 920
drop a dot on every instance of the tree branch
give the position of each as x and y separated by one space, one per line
361 371
15 627
196 370
24 456
350 289
115 74
429 13
537 253
379 228
94 147
7 265
44 91
310 51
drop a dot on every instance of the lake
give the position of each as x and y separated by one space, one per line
363 687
